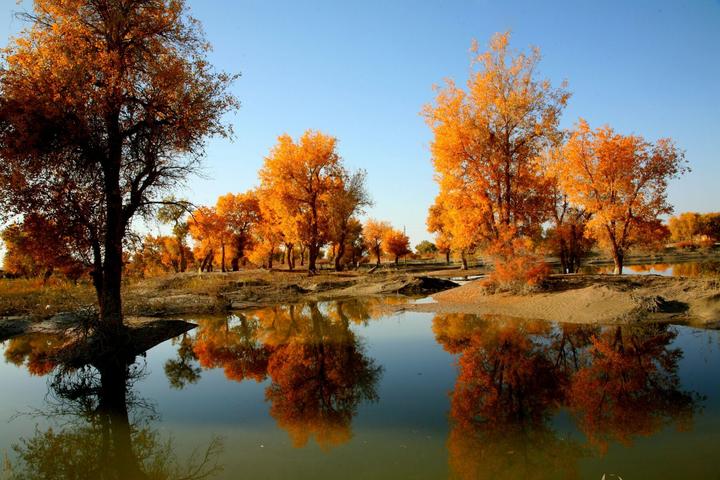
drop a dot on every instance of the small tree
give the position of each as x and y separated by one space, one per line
373 233
426 247
396 243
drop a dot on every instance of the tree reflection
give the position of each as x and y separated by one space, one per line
317 367
630 386
507 390
102 429
516 376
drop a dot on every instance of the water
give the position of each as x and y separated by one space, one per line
684 269
344 390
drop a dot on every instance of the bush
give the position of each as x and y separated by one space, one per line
518 268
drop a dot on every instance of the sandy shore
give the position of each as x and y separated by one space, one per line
592 299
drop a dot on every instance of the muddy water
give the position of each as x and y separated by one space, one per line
342 390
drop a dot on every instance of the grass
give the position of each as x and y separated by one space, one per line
30 297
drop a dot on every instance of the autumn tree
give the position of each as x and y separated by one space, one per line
209 236
374 232
436 224
344 204
299 179
239 214
710 226
118 95
566 236
40 246
685 227
396 243
487 144
174 212
621 181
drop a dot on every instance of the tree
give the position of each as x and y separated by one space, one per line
209 235
117 95
396 244
426 248
621 180
344 204
298 179
39 246
566 237
240 214
436 224
685 227
487 145
710 226
174 212
373 233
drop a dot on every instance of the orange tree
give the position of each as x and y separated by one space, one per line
373 234
240 215
298 180
115 98
487 145
621 180
396 244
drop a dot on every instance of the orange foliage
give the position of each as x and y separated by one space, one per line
486 149
298 180
105 105
621 181
396 243
374 232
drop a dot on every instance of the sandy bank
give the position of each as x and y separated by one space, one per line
592 299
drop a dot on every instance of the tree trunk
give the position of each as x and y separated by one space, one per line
447 257
313 251
464 260
111 302
270 258
340 254
618 258
222 257
183 260
397 259
377 253
302 254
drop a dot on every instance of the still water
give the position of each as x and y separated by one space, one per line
342 390
684 269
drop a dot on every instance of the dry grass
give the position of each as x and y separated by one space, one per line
31 297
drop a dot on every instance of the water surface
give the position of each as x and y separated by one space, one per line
340 389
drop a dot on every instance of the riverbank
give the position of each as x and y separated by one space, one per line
194 293
592 299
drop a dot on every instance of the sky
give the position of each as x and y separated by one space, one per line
362 71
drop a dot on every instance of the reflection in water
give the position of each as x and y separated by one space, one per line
684 269
317 367
103 430
514 377
530 400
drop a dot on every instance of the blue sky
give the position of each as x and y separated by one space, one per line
362 71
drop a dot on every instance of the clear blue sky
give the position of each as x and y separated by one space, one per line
362 71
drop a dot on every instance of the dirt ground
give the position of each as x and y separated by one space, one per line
592 299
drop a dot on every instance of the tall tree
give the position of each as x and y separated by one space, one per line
487 145
117 95
299 178
621 180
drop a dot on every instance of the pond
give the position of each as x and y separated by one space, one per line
344 390
683 269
